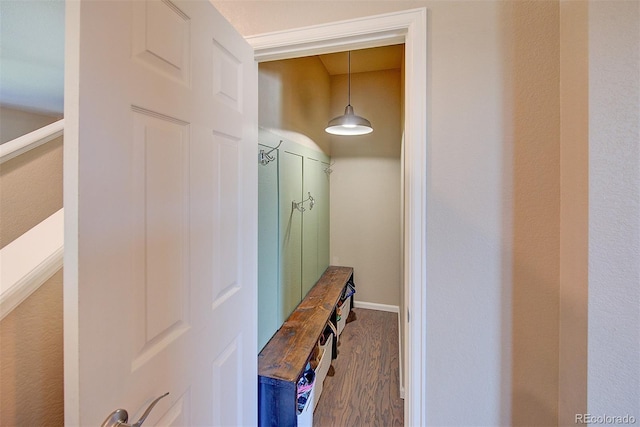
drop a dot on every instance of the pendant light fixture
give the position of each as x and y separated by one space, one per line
349 123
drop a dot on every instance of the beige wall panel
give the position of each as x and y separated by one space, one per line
30 189
574 210
31 366
365 187
534 37
493 205
15 123
294 100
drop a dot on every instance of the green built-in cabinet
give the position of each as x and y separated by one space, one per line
268 257
293 246
315 223
290 180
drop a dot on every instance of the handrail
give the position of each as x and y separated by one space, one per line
24 143
30 260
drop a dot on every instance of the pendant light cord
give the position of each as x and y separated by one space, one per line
348 123
349 101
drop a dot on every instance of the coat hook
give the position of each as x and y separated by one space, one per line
265 158
328 169
299 205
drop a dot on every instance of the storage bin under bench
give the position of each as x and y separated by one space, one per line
283 360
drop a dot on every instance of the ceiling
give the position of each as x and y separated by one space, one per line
364 60
32 54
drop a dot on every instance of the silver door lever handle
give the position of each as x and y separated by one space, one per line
120 417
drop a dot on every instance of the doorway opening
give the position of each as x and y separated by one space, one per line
408 27
355 183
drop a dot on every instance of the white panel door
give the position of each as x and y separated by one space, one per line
161 205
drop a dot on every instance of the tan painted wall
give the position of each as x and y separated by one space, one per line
574 209
493 201
15 122
31 365
297 98
30 189
365 186
30 184
488 61
536 211
31 371
294 100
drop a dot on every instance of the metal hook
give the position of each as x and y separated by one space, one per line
265 158
299 205
328 169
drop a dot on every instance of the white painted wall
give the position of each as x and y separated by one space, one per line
614 208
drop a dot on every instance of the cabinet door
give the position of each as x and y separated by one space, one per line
323 219
312 172
315 224
290 233
268 259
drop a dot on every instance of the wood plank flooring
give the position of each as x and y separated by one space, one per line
364 390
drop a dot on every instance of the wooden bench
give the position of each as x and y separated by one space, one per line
283 360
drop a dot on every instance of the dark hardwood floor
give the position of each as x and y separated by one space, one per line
364 390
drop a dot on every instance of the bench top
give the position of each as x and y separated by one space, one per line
285 355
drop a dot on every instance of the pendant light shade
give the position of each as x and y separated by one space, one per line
349 123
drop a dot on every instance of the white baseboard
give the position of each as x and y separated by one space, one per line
376 306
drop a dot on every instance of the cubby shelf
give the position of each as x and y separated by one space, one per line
283 360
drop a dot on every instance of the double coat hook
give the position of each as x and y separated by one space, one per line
265 158
299 205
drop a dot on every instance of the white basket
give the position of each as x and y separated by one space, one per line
305 418
346 309
323 368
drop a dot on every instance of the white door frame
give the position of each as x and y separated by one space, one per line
409 27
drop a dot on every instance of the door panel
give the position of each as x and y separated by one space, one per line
160 252
227 405
159 164
162 39
176 415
